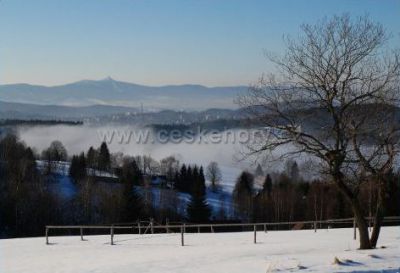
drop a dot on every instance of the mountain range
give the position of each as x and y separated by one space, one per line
117 93
107 114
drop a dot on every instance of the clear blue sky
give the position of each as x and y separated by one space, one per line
210 42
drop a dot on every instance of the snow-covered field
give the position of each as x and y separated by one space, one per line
276 251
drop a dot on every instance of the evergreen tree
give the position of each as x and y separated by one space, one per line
181 178
82 165
130 172
267 187
195 179
259 171
243 194
189 171
104 158
91 157
132 203
198 210
292 170
77 169
201 174
73 168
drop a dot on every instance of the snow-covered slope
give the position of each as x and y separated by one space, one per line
280 251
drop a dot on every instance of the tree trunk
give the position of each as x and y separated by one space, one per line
362 225
377 226
379 213
358 214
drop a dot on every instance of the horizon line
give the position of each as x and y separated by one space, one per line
109 78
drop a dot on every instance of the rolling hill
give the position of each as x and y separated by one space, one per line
111 92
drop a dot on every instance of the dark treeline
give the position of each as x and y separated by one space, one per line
287 197
34 122
110 188
114 188
26 204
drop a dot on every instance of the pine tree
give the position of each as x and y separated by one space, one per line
132 203
201 174
259 171
187 183
130 172
73 168
77 169
198 209
91 157
82 165
195 179
267 187
243 194
181 178
104 158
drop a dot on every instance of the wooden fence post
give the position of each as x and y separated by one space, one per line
315 226
139 228
265 228
212 229
354 229
151 226
47 235
255 234
182 236
81 230
112 235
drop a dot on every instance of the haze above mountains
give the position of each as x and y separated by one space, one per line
117 93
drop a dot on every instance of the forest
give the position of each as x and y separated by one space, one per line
116 188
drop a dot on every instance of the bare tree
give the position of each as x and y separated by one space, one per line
169 167
213 174
376 144
319 104
53 154
150 165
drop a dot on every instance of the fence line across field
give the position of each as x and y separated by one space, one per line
151 226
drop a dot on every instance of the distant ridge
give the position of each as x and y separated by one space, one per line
117 93
110 114
31 111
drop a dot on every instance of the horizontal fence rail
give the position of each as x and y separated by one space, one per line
151 226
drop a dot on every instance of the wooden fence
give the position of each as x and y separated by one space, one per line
150 227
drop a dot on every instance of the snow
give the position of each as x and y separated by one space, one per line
62 168
219 200
63 186
276 251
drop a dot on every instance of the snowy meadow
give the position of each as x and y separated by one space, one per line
276 251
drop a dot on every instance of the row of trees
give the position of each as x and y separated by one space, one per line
283 199
133 206
29 198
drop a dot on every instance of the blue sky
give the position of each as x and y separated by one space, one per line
210 42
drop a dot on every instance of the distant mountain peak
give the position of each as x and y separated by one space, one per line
108 79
